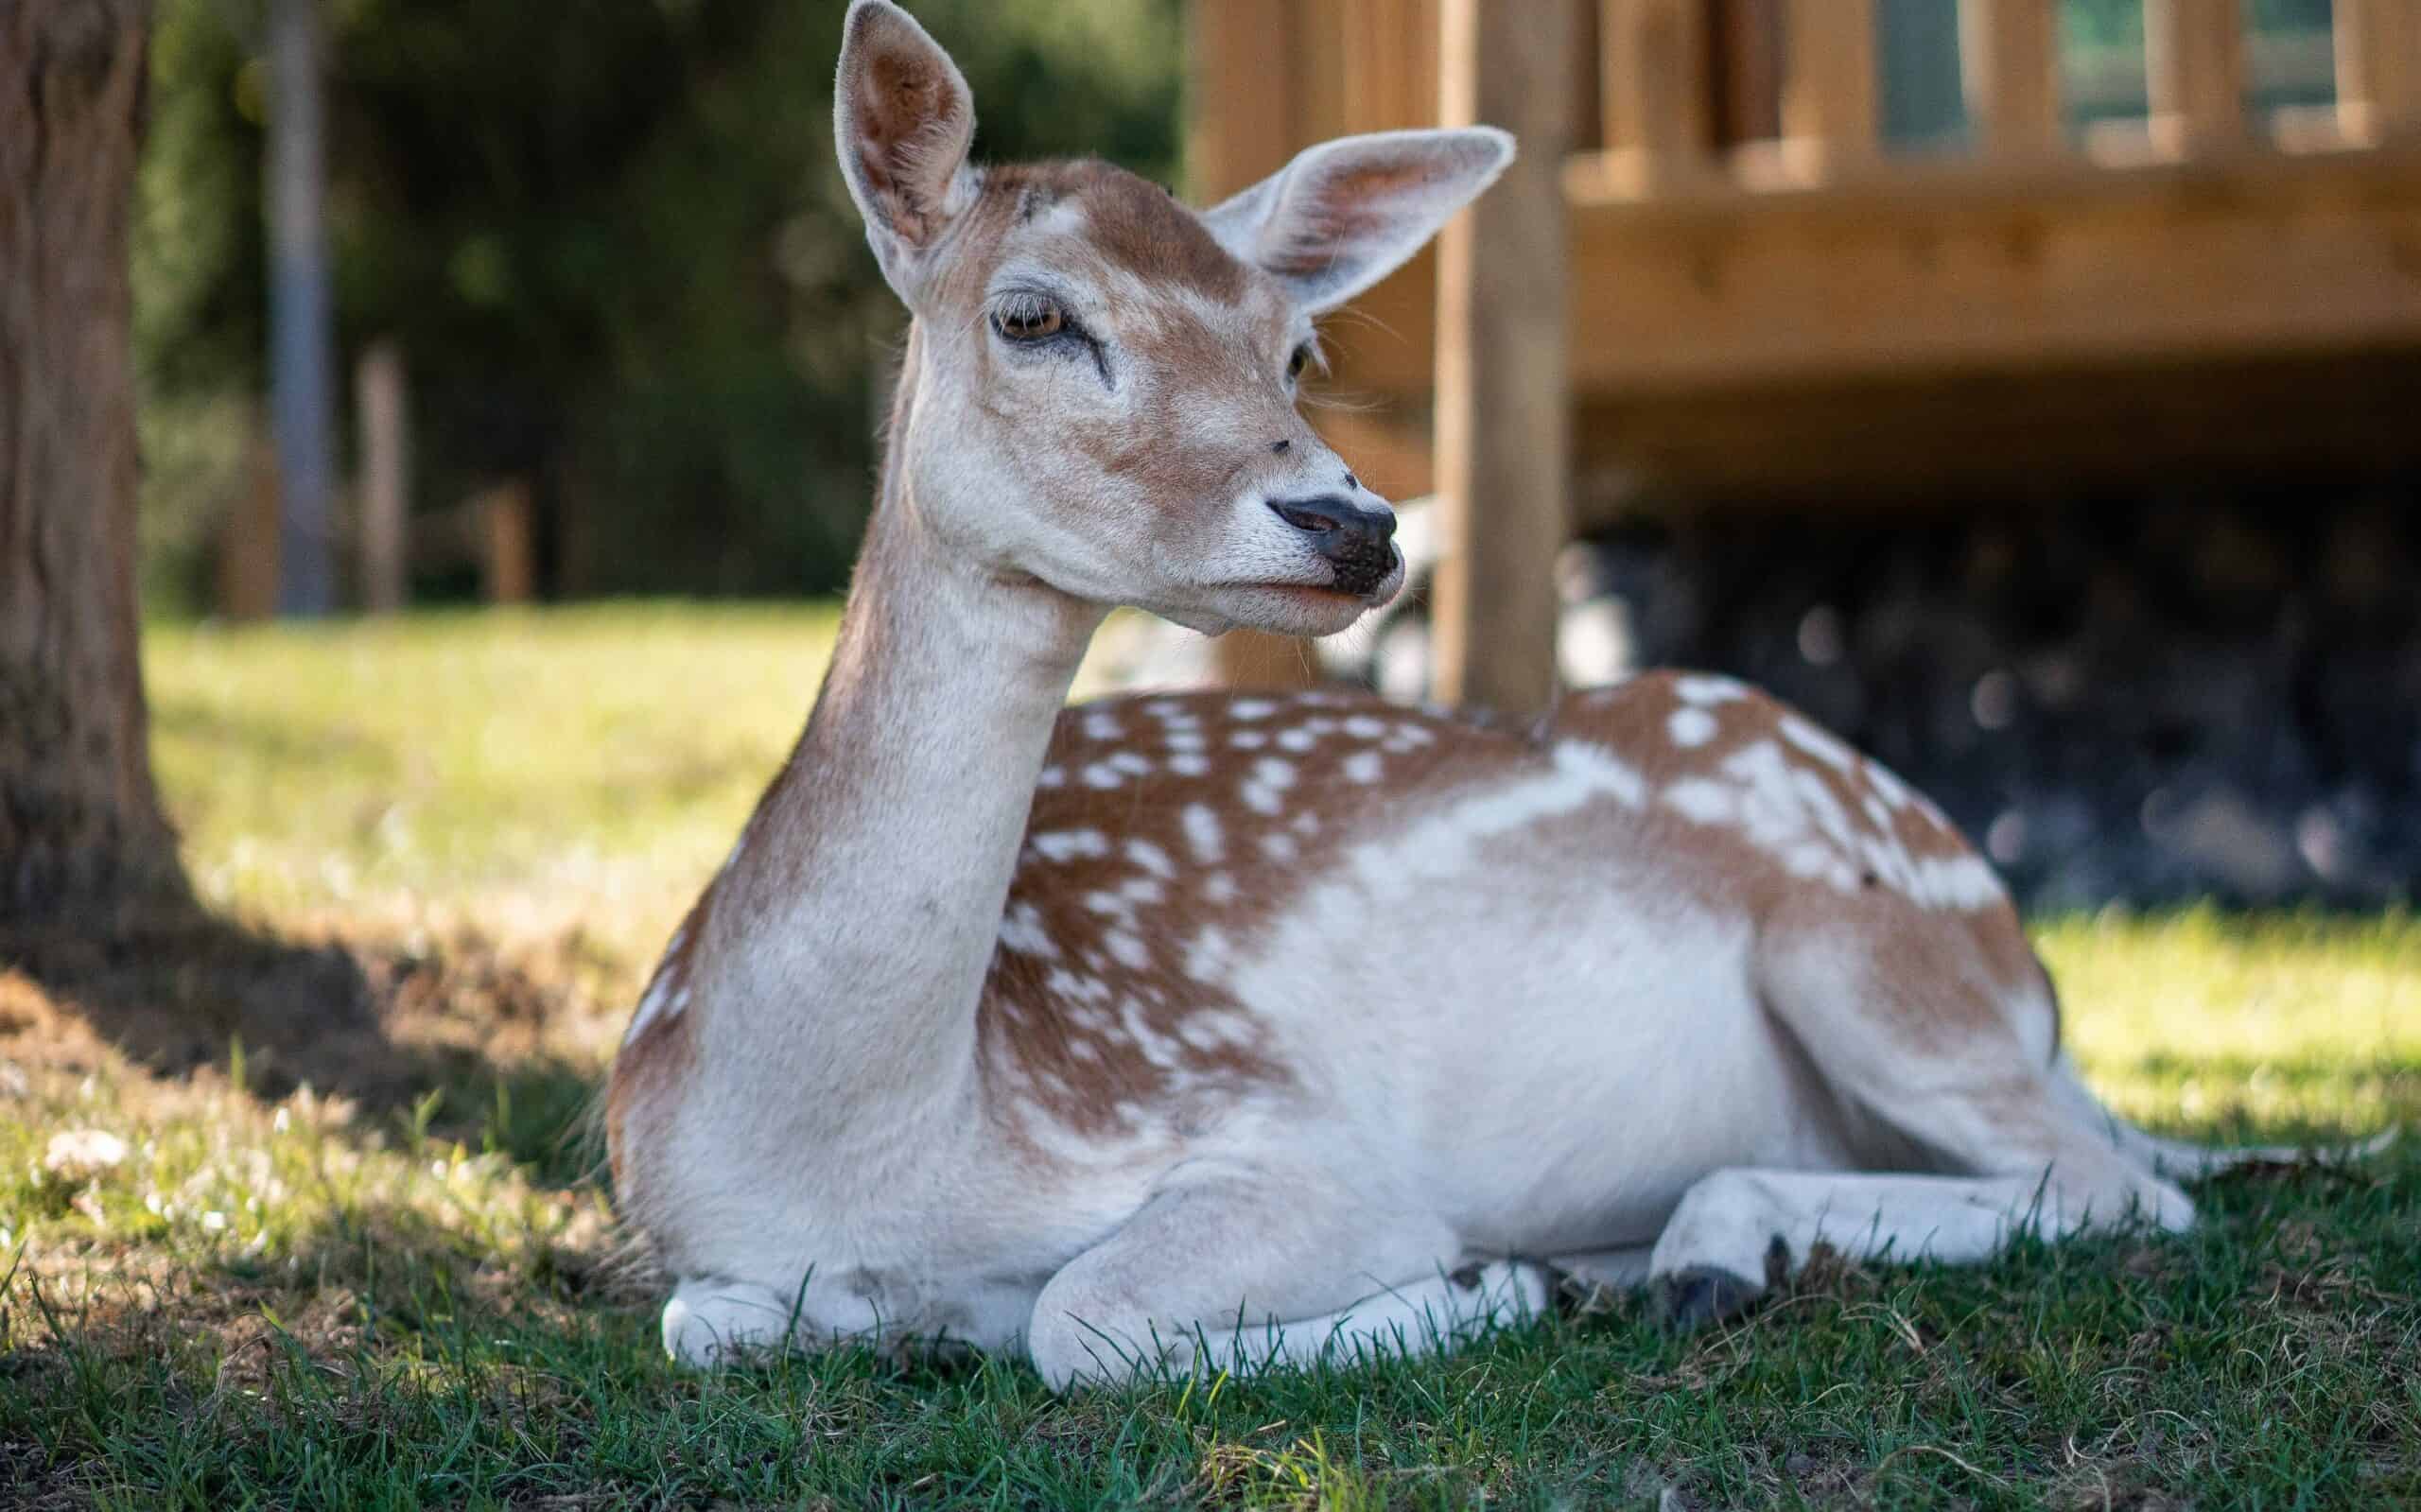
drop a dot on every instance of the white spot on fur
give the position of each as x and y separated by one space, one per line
1131 762
1818 743
1021 931
1296 739
1189 765
1305 823
1249 739
1064 844
1219 888
1251 708
1691 727
1075 987
1363 727
1207 958
1052 777
1270 778
1202 832
1102 727
1602 772
1184 741
1708 689
1280 846
1151 857
1101 775
1702 801
1127 950
1365 767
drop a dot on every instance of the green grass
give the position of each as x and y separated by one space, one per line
288 1297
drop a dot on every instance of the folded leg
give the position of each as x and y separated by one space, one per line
1234 1276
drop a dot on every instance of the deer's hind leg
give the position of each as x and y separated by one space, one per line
1929 1039
1236 1275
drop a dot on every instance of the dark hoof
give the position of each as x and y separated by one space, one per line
1701 1295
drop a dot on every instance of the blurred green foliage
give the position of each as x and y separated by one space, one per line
609 236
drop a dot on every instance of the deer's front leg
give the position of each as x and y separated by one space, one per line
1238 1275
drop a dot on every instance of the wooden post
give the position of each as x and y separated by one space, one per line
249 540
1240 128
1655 97
508 562
1503 406
2379 69
2009 66
385 484
1830 115
2194 73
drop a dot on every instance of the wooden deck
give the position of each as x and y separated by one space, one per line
1764 299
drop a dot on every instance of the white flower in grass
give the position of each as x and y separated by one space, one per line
80 1155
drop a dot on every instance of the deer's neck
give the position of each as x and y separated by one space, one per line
853 928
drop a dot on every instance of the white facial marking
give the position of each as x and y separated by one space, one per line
1691 727
1202 832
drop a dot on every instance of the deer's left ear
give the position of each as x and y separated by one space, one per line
902 119
1346 213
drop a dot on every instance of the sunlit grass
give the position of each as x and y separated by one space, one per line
221 1297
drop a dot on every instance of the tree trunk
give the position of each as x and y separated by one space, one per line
79 818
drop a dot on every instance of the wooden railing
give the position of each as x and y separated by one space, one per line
1745 246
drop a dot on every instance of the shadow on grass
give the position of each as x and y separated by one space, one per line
454 1034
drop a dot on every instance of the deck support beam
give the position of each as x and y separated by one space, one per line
1503 400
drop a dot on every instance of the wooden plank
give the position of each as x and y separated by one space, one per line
2194 74
2009 65
507 544
2258 254
1747 71
1503 406
1831 110
1943 267
1655 91
1241 126
2379 69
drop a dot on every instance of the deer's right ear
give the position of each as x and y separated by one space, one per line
902 118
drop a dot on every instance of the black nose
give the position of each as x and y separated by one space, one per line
1354 538
1340 527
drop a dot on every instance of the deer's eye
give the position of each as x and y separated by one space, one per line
1029 319
1301 359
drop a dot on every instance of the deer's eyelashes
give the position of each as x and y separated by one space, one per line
1029 319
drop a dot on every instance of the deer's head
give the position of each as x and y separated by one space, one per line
1106 381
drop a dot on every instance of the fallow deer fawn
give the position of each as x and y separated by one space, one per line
1222 1029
